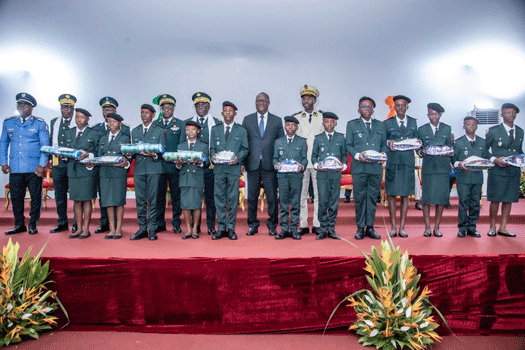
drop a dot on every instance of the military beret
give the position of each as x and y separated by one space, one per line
510 105
291 119
24 97
200 97
147 106
330 115
108 101
165 98
469 117
190 122
67 99
115 116
83 111
229 104
366 98
436 107
309 90
401 97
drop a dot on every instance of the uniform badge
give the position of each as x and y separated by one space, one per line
218 143
10 135
392 133
281 152
174 128
360 135
500 143
322 149
466 152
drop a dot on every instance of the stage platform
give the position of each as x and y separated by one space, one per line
259 284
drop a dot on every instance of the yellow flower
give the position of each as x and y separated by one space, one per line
430 319
50 320
354 326
409 274
415 345
434 335
369 269
387 332
426 292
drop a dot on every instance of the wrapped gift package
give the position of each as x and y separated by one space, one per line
439 150
104 160
330 164
61 151
476 163
224 157
142 147
407 145
289 166
517 160
185 156
374 156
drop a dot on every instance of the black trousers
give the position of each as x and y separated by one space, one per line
18 183
171 180
61 185
209 198
268 179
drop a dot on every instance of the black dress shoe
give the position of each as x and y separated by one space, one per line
102 229
491 234
232 235
139 235
59 228
16 229
438 233
296 234
219 235
360 234
403 234
347 200
506 234
74 229
152 236
83 236
370 232
198 229
74 235
211 231
333 235
160 229
320 236
393 233
427 234
473 234
32 230
281 235
419 206
316 230
177 229
304 230
252 231
272 232
461 234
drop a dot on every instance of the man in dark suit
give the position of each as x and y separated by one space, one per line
503 183
263 129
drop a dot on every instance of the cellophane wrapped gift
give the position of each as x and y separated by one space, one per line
517 160
142 147
103 160
439 150
475 163
224 157
289 166
185 156
61 151
374 156
330 164
407 145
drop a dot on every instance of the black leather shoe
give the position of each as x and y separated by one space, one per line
438 233
347 200
232 235
473 234
272 232
177 229
211 231
427 234
403 234
333 235
198 229
83 236
59 228
419 206
102 229
316 230
393 233
160 229
152 236
304 230
491 234
74 235
506 234
281 235
16 229
32 230
219 235
74 229
139 235
296 235
252 231
360 234
370 232
461 234
320 236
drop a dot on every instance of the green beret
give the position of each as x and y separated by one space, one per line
510 105
290 119
115 116
229 104
436 107
366 98
192 123
330 115
200 97
108 101
67 99
149 107
401 97
165 98
83 111
25 97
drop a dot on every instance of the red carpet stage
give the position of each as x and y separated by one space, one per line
258 284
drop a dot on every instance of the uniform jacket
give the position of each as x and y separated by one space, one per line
147 165
358 140
237 143
24 142
334 148
58 126
192 175
435 164
294 151
88 142
172 137
462 150
499 143
262 145
113 149
310 130
102 129
394 133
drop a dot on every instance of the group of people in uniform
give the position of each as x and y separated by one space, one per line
260 144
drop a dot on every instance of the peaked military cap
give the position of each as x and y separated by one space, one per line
402 97
165 98
229 104
436 107
330 115
366 98
149 107
510 105
192 123
25 97
309 90
115 116
108 101
67 99
200 97
291 119
83 111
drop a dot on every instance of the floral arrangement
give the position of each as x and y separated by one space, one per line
395 314
26 304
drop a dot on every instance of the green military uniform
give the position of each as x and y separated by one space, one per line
226 191
147 172
366 176
113 180
82 181
399 171
191 180
468 183
435 171
328 182
290 184
503 184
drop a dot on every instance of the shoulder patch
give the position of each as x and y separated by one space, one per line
13 117
40 119
320 111
298 113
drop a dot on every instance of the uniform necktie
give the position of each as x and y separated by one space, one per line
112 138
23 120
472 143
511 135
79 135
435 132
310 119
369 127
166 122
329 137
402 126
202 121
261 126
227 133
191 145
145 131
289 141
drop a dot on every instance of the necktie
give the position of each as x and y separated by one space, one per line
112 138
166 122
472 143
402 126
145 131
511 136
191 145
289 141
310 119
23 120
369 127
435 132
329 137
79 135
227 133
202 120
261 126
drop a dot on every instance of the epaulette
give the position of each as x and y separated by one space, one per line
320 111
13 117
126 124
298 113
493 127
39 119
100 124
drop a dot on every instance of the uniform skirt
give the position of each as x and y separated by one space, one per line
505 189
82 188
191 198
400 180
113 191
435 189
